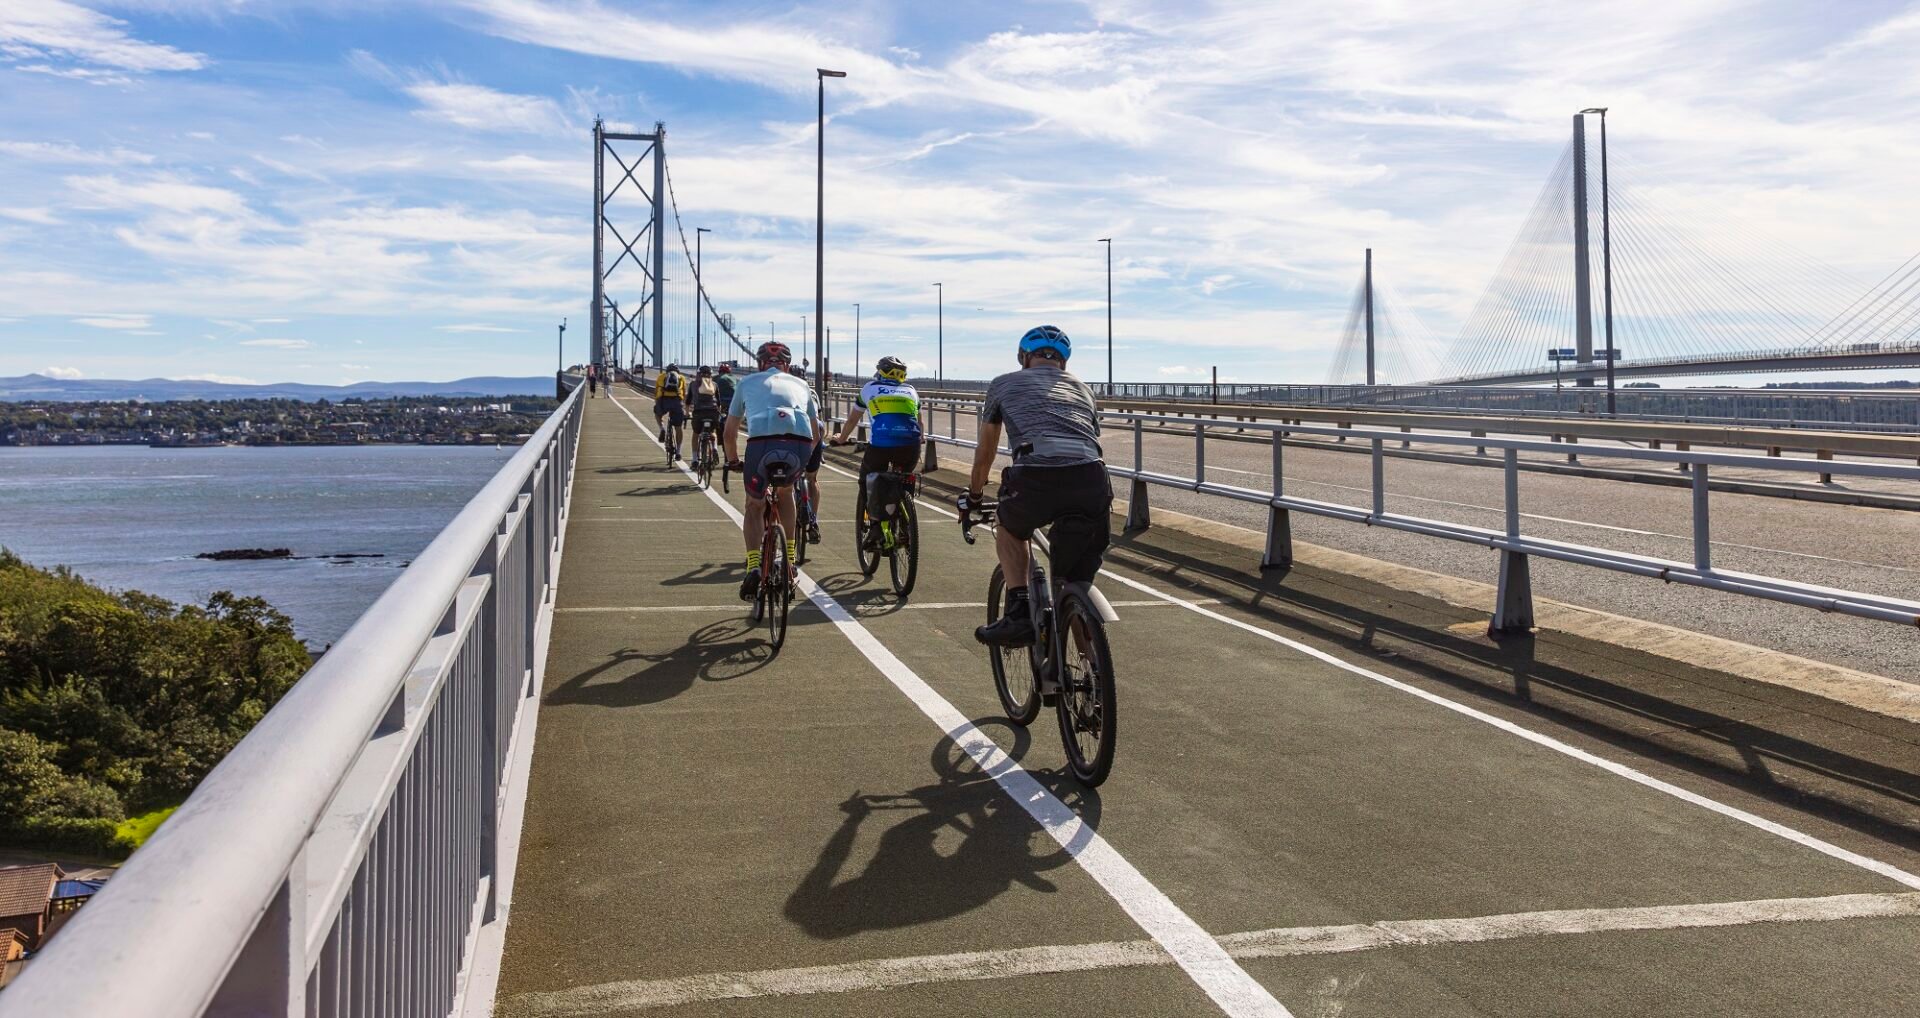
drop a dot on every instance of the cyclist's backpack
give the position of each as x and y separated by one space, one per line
884 494
674 381
1079 545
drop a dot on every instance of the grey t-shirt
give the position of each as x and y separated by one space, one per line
1050 408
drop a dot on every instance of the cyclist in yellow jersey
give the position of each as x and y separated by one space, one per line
670 402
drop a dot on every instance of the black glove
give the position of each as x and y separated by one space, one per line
966 501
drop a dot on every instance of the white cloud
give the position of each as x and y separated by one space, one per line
161 192
483 108
62 152
474 328
278 344
55 28
37 216
222 379
116 321
66 374
271 321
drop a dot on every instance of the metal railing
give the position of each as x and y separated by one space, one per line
1852 410
343 859
1514 601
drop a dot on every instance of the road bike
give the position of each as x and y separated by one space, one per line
802 509
774 599
1069 664
893 533
706 452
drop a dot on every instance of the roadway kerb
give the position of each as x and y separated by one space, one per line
1247 779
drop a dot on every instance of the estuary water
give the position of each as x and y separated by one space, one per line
133 517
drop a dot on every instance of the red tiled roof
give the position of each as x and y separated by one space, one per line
24 890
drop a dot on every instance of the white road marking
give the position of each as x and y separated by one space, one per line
1887 870
1191 947
892 973
1732 812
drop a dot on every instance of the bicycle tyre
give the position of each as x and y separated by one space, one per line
1019 689
862 526
779 589
906 542
1086 708
800 522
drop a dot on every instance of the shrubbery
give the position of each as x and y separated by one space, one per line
112 704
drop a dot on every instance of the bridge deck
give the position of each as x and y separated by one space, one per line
714 831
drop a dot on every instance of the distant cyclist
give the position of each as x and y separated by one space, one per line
703 404
670 402
724 383
593 381
1053 424
782 420
893 440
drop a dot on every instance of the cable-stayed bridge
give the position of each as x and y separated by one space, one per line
1684 290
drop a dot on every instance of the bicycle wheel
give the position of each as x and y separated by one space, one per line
802 496
1018 687
906 545
779 587
863 528
1086 705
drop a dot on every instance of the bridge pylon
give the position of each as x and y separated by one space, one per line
646 247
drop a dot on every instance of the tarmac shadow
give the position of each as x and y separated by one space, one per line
715 652
948 847
863 602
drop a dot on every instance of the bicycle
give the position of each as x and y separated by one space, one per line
774 599
705 452
1069 663
802 507
895 534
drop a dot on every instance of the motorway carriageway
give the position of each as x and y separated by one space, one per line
850 827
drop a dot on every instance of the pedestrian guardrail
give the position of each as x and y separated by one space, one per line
1513 610
343 859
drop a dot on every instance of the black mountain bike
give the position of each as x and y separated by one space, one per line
1069 664
892 531
706 455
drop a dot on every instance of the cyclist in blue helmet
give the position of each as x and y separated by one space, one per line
1053 428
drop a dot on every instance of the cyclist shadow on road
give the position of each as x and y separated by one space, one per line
679 487
715 652
863 601
946 848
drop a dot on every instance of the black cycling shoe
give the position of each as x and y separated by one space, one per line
1014 629
813 533
750 587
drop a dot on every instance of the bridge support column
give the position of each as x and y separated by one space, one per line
1824 454
1573 457
1279 552
1513 601
931 461
1139 514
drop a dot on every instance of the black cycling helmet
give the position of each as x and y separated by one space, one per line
893 369
705 371
773 352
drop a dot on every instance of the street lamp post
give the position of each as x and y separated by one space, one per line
856 339
1606 253
1109 242
940 295
820 236
699 293
560 348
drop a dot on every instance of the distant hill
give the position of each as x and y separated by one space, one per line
154 390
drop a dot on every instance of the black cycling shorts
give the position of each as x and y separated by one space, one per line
790 450
903 458
1033 497
705 420
816 457
672 409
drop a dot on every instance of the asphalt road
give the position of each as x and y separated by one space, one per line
1848 547
850 828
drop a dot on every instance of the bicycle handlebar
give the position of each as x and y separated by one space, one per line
982 514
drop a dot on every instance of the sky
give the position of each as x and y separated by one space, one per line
341 191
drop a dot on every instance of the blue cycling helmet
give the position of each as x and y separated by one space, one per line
1046 337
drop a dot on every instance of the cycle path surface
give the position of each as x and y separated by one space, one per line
713 829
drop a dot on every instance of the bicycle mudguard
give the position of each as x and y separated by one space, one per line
1100 602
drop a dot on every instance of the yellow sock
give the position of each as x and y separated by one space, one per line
753 559
792 553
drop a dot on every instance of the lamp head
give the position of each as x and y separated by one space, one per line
1602 110
824 73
